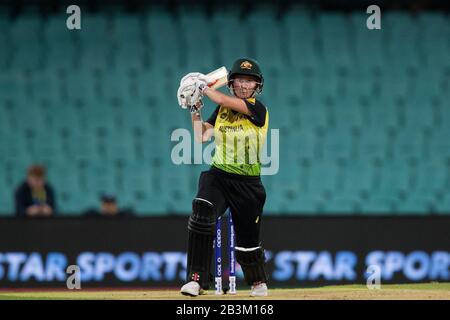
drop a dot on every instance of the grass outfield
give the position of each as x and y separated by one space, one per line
432 291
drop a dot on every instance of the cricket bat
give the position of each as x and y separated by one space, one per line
217 78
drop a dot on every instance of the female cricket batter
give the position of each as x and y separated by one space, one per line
240 125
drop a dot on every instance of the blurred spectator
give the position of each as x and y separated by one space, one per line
109 208
34 197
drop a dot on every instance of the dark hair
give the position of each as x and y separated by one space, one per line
36 171
108 198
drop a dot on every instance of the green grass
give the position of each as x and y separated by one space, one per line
407 286
429 291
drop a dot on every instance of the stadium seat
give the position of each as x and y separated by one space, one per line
26 38
379 205
443 206
263 26
196 23
415 206
401 44
298 24
82 85
433 30
342 206
234 41
322 179
335 40
373 143
97 44
305 204
394 180
362 115
369 53
357 180
5 55
428 179
131 48
410 143
61 51
164 37
338 144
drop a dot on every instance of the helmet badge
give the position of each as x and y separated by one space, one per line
246 65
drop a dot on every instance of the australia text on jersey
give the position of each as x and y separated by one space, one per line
185 151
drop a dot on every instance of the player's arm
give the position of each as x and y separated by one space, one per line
233 103
203 131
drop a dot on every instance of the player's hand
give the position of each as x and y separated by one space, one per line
191 76
185 91
187 88
200 85
195 109
191 89
33 210
184 94
46 210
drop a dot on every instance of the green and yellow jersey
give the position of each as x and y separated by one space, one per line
239 138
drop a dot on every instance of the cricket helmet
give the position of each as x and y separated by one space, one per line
249 67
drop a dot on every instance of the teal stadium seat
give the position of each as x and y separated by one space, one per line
100 180
334 37
301 33
83 85
45 85
96 46
393 180
402 39
195 56
26 39
15 173
150 86
305 145
384 205
70 197
443 206
141 188
61 45
410 143
322 179
5 119
234 40
338 144
4 195
363 115
373 143
369 53
164 37
418 205
5 55
433 30
270 54
305 204
12 86
131 49
357 180
342 206
115 85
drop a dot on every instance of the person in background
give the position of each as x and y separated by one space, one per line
109 208
35 197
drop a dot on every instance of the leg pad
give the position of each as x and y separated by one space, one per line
201 227
253 263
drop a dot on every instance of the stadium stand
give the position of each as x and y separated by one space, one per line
363 115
